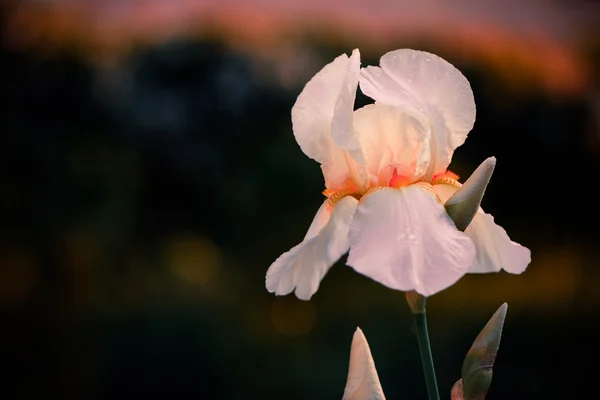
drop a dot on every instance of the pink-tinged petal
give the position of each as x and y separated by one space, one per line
445 191
280 280
312 114
403 239
341 171
363 381
322 121
342 126
391 140
495 250
421 82
319 221
304 266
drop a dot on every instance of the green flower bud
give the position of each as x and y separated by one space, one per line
463 204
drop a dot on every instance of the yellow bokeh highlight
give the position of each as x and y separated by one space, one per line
293 317
194 259
550 284
18 277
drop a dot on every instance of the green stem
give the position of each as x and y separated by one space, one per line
420 321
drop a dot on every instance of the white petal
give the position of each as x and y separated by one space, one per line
363 382
404 239
304 266
420 82
445 191
312 114
322 120
342 127
281 278
319 221
391 139
495 250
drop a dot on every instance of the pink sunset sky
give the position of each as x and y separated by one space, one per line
537 41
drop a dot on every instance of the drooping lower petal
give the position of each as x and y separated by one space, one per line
319 221
363 381
403 239
495 250
304 266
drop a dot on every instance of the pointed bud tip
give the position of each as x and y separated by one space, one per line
487 166
477 368
499 316
363 381
503 307
358 336
490 160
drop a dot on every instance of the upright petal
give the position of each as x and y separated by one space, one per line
363 381
403 239
322 120
304 266
342 126
423 83
391 140
495 250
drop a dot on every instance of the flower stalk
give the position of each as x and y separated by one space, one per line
420 323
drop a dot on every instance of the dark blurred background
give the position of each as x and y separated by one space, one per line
149 177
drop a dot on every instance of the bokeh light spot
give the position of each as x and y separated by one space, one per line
293 317
18 276
194 259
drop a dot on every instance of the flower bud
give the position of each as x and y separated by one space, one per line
477 367
457 391
463 204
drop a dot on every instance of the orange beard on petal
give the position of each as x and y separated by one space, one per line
447 174
397 181
349 189
333 196
446 178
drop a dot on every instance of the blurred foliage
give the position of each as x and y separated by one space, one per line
142 204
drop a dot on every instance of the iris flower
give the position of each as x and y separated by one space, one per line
386 176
